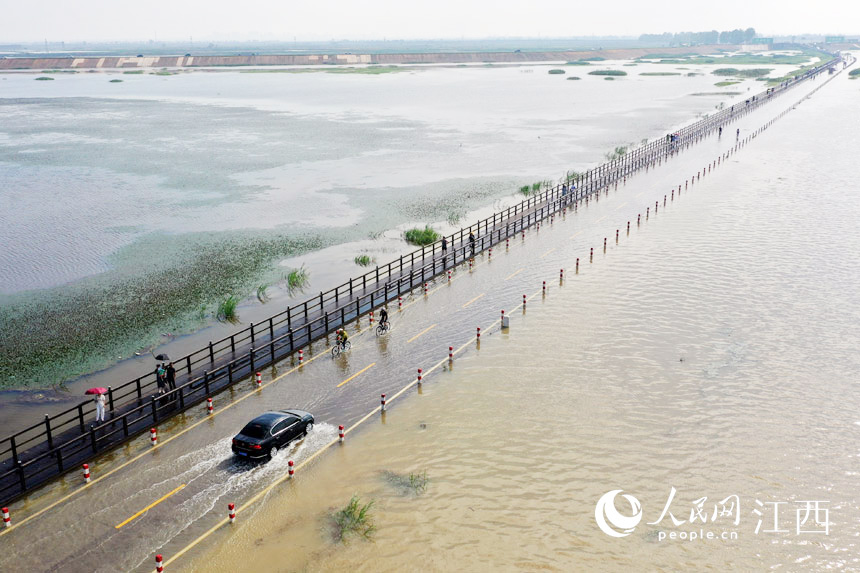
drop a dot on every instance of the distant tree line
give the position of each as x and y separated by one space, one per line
737 36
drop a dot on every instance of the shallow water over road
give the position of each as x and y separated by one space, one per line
712 351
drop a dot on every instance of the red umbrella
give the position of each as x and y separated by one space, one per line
98 390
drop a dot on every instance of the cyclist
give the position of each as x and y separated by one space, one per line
383 317
342 338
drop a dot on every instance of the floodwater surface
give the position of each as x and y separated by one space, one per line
711 353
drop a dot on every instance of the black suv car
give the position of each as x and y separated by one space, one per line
265 434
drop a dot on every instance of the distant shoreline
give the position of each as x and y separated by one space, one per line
191 61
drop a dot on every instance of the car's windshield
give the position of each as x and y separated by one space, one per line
255 430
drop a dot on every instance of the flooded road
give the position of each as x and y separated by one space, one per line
709 350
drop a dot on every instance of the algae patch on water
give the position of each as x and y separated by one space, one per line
50 336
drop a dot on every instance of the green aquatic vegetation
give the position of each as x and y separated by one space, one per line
133 72
556 71
726 83
421 237
748 73
227 309
607 73
716 93
56 334
577 63
610 79
363 260
415 483
592 59
854 73
574 78
617 153
526 190
262 295
660 74
116 81
163 73
298 279
44 79
536 186
354 519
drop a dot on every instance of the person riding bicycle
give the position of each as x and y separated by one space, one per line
342 338
383 318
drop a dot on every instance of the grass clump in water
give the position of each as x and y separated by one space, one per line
421 237
298 279
134 72
44 79
116 81
354 519
616 153
227 309
556 71
660 74
854 74
262 295
577 63
607 73
526 190
363 260
726 83
414 483
574 78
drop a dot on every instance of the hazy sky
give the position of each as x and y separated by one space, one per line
72 20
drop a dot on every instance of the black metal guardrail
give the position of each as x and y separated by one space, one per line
59 443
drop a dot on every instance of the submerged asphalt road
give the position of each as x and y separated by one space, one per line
180 489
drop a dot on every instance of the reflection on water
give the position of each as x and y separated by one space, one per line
713 352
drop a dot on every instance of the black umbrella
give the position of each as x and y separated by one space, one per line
162 357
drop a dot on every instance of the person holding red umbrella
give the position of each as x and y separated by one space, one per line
100 402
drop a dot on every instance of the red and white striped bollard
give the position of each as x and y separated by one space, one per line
153 436
382 402
231 512
292 470
86 473
209 406
301 357
158 565
259 379
7 521
340 433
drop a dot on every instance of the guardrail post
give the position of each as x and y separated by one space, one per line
229 375
206 381
350 285
81 418
14 449
326 323
155 411
59 454
233 343
292 344
110 398
93 438
139 391
211 353
21 477
48 432
252 333
125 426
188 364
271 329
251 354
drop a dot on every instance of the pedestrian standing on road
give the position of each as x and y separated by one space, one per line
472 242
444 247
100 407
171 376
564 193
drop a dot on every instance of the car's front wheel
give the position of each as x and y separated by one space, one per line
309 427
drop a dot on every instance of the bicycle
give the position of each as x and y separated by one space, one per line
340 347
383 328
